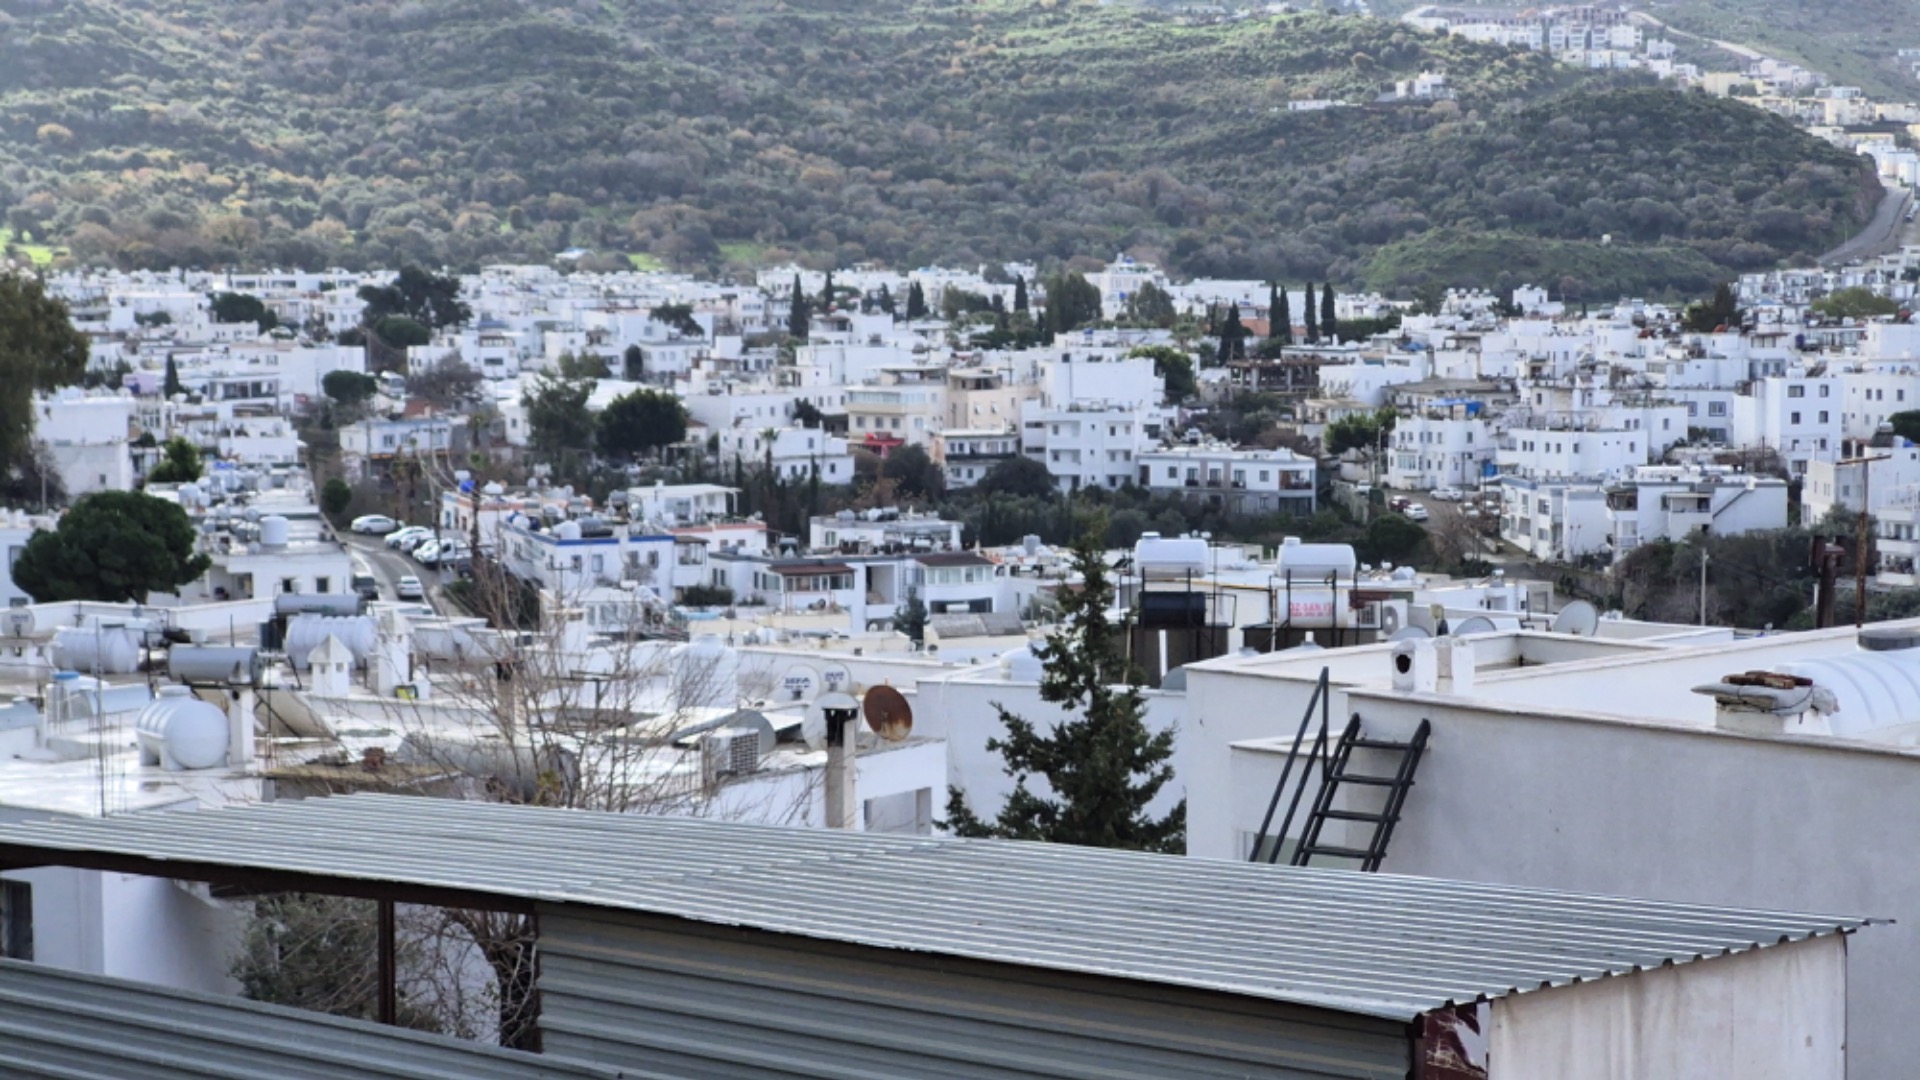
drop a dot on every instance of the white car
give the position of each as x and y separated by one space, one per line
409 588
1445 494
427 552
1414 512
374 524
406 538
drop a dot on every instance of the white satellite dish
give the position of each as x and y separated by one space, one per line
1579 618
19 622
1477 624
1409 633
836 677
800 683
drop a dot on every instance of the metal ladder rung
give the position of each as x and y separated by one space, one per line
1380 744
1338 852
1375 781
1355 815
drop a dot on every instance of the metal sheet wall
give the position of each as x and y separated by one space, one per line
715 1002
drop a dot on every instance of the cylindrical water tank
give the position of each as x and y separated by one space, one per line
109 650
179 731
273 531
1156 554
1021 666
306 632
567 530
1315 561
705 673
227 665
318 603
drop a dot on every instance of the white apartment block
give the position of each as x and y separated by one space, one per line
1236 481
967 455
1088 446
796 453
1454 448
1879 486
1667 502
1798 416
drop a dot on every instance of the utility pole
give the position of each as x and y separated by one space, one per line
1704 557
1862 541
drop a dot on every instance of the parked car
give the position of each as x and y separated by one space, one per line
406 539
409 588
1399 503
1415 512
1446 494
366 586
426 552
374 524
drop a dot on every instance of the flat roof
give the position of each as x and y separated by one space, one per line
1368 944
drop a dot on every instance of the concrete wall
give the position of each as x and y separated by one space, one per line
1570 800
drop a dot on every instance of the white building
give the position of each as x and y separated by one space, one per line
1667 502
1799 416
1237 481
968 454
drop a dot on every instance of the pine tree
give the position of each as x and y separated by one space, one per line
1232 336
916 302
1313 326
826 293
1020 293
1283 323
1329 323
1101 763
797 314
172 385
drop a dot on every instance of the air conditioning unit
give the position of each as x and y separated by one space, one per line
729 752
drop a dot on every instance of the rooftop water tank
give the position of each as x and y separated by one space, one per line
1162 555
1875 688
108 650
179 731
1319 561
567 530
273 531
222 665
704 673
1021 666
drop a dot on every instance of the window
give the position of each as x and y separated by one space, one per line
1796 391
1823 416
289 585
1173 473
16 920
1716 408
1793 418
321 585
1823 389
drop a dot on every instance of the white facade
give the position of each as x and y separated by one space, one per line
1801 417
968 455
1240 481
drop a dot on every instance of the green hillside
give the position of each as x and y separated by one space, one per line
1855 42
906 131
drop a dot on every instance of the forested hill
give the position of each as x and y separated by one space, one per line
909 131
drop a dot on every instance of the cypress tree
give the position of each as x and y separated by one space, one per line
1313 326
885 301
826 293
1020 293
172 385
1283 324
1232 336
1329 323
916 302
1101 763
797 314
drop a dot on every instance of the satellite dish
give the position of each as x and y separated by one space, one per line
800 683
1477 624
888 714
1579 618
19 622
836 677
1409 633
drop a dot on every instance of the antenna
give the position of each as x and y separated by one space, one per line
888 714
1578 618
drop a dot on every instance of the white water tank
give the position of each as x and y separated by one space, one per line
273 531
704 673
1157 554
1020 665
567 530
178 731
109 650
1316 562
305 633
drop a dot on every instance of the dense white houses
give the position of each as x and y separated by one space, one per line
968 454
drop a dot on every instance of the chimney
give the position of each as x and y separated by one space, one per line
1454 660
1415 666
1769 703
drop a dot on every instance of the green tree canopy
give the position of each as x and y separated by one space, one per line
1019 476
557 418
1101 765
916 301
115 546
1313 321
1151 305
1329 322
233 307
1359 432
401 331
1857 302
348 387
797 313
432 300
179 463
1906 425
1704 317
1072 302
911 619
1174 367
335 496
806 414
585 365
39 350
642 420
913 470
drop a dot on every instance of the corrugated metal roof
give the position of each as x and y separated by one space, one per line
60 1024
1372 944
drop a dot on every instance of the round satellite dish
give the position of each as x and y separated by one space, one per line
836 677
19 622
1409 633
1477 624
888 714
800 683
1579 618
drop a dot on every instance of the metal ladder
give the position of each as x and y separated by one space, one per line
1338 773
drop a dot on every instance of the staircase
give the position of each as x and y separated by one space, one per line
1400 759
1374 797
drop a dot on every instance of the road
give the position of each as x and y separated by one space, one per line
1882 234
372 556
